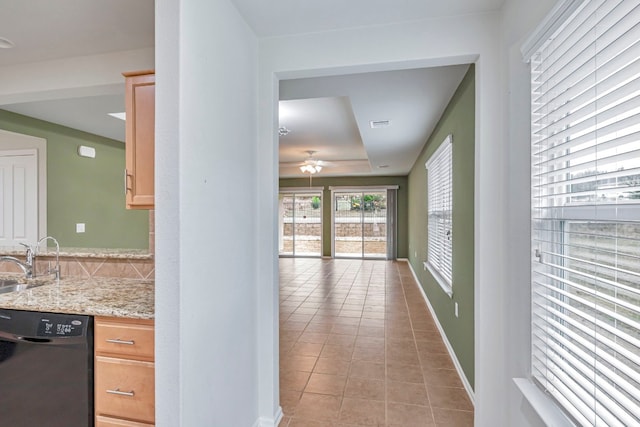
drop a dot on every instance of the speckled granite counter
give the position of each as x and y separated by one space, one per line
129 254
96 296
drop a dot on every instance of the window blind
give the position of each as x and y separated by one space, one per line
585 124
440 222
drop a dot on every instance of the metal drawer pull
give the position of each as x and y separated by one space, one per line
118 341
121 393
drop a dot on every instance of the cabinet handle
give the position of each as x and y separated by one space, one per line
126 181
118 341
121 393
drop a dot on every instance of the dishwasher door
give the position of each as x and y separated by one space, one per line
46 369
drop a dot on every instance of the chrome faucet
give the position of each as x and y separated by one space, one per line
28 266
56 270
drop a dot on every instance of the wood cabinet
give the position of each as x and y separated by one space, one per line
140 139
124 382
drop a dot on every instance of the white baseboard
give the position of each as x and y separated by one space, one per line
456 363
269 422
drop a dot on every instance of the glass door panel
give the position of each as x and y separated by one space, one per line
300 228
375 224
360 224
307 225
347 220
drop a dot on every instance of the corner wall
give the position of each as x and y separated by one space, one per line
326 182
208 349
84 190
458 120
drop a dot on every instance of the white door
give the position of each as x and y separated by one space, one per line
18 197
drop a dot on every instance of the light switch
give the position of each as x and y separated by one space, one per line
80 227
456 308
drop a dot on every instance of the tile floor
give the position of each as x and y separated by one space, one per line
358 347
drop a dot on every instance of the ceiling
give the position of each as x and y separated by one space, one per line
337 109
332 116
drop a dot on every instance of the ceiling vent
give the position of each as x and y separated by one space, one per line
377 124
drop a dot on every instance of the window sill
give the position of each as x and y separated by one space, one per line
546 409
443 284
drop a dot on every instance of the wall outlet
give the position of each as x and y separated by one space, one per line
456 308
80 227
415 254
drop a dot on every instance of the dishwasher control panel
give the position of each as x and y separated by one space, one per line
60 326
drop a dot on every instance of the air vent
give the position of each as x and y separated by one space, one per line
376 124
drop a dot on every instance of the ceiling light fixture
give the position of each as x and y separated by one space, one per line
310 169
6 43
282 131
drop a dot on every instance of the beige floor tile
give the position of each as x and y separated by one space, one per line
452 418
345 329
297 422
338 352
442 378
363 388
371 331
362 412
403 415
341 340
293 380
320 407
365 369
326 384
449 398
404 373
409 393
298 363
332 366
313 337
306 349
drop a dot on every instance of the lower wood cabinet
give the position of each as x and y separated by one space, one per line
124 382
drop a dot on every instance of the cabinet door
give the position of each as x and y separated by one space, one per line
140 140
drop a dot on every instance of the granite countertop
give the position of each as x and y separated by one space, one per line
127 298
132 254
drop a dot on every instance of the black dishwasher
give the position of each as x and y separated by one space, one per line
46 369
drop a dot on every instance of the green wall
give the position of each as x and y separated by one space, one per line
459 121
400 181
84 190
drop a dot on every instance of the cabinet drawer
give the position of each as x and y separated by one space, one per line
114 422
124 388
124 339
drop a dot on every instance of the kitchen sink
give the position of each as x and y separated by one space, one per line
13 285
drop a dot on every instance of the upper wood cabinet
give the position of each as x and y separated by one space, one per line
140 108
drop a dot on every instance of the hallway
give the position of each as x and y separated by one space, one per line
358 347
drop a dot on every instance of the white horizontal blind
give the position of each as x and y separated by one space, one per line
586 214
440 204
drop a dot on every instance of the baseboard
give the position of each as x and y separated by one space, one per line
456 363
269 422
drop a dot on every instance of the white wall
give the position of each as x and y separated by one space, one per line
216 311
520 19
206 282
410 45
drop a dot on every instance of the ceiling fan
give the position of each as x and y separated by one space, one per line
312 165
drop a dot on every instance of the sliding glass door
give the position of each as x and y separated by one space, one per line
301 224
360 224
